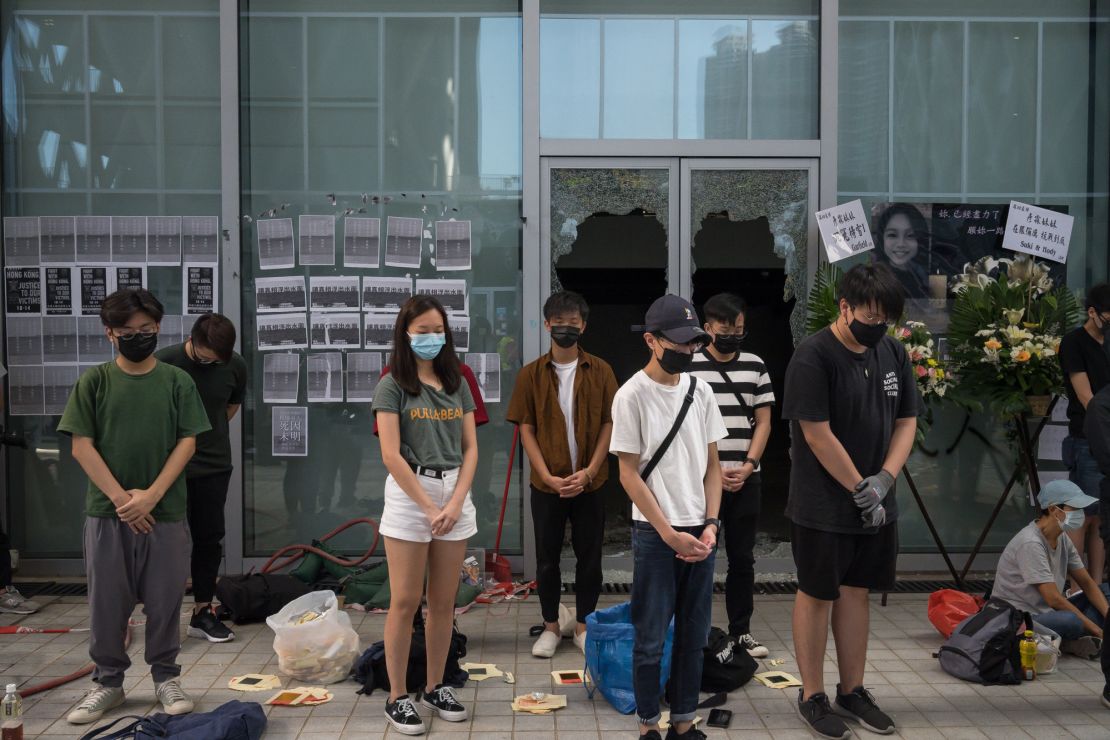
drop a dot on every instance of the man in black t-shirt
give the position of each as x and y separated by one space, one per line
852 401
1086 366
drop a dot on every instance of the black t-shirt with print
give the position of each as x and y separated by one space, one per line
861 396
1081 353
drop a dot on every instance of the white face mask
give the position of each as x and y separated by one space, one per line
1073 520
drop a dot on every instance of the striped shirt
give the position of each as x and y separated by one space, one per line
749 377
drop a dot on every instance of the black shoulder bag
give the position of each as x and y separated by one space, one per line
662 450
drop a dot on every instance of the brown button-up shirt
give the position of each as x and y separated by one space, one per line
535 402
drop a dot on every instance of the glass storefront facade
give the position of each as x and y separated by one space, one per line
618 148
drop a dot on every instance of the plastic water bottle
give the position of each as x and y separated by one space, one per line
11 715
1028 656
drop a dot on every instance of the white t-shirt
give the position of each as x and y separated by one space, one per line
565 372
643 413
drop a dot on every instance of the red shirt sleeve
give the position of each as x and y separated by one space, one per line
480 415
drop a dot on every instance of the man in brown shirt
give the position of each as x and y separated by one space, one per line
562 403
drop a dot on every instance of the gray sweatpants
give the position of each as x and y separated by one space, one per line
123 569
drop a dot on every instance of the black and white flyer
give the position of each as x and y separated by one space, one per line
57 383
378 329
94 289
94 239
200 239
58 291
93 346
173 330
163 241
339 293
324 377
487 370
281 377
289 431
452 245
59 340
275 244
21 241
282 331
403 241
336 331
361 242
25 391
128 240
23 291
24 340
58 240
131 277
199 286
460 330
364 370
317 239
277 294
450 293
385 292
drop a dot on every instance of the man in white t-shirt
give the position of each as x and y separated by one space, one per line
674 512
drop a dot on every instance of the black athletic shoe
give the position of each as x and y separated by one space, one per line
820 718
859 706
205 625
691 734
403 716
443 700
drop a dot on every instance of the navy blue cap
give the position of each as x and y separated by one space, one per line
675 318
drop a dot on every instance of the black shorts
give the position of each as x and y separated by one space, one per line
828 560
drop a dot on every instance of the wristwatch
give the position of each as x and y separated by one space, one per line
715 522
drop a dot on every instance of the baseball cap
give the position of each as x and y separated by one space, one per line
1064 493
675 318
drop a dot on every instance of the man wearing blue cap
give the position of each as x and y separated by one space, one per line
666 426
1037 562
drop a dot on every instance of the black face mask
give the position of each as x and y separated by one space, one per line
728 344
674 362
138 348
869 335
565 336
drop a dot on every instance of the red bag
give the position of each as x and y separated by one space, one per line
948 607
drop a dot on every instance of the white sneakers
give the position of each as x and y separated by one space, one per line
548 641
98 701
173 697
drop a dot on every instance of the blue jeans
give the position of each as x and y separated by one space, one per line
663 587
1082 468
1067 624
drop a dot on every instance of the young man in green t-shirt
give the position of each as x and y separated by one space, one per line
134 423
210 359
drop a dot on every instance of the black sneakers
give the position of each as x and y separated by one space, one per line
860 706
691 734
205 625
403 716
443 700
820 718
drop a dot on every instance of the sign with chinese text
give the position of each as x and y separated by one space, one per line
1038 231
844 230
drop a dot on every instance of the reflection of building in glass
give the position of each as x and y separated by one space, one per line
786 107
724 85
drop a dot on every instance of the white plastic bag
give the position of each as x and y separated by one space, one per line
313 639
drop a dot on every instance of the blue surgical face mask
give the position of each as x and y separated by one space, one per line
427 346
1073 520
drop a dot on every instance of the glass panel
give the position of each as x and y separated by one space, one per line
570 78
1002 110
927 136
445 88
609 244
639 79
864 107
712 79
749 231
118 127
785 61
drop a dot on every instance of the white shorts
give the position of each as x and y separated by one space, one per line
402 519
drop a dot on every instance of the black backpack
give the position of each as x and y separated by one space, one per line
255 596
726 665
986 647
369 670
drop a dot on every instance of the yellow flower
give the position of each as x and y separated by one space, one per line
993 343
940 373
1022 356
931 362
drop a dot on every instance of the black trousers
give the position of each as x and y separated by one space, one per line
739 519
550 513
5 559
205 512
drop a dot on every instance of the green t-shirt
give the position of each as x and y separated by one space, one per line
220 385
135 421
431 423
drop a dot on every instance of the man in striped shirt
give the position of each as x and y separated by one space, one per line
743 390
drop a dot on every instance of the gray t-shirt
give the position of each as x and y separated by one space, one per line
1028 561
431 423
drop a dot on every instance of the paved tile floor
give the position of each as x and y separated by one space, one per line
906 680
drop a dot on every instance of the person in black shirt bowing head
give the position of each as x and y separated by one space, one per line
852 401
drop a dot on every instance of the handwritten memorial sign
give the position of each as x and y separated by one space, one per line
1038 231
844 230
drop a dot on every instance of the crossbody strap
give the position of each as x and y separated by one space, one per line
686 404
